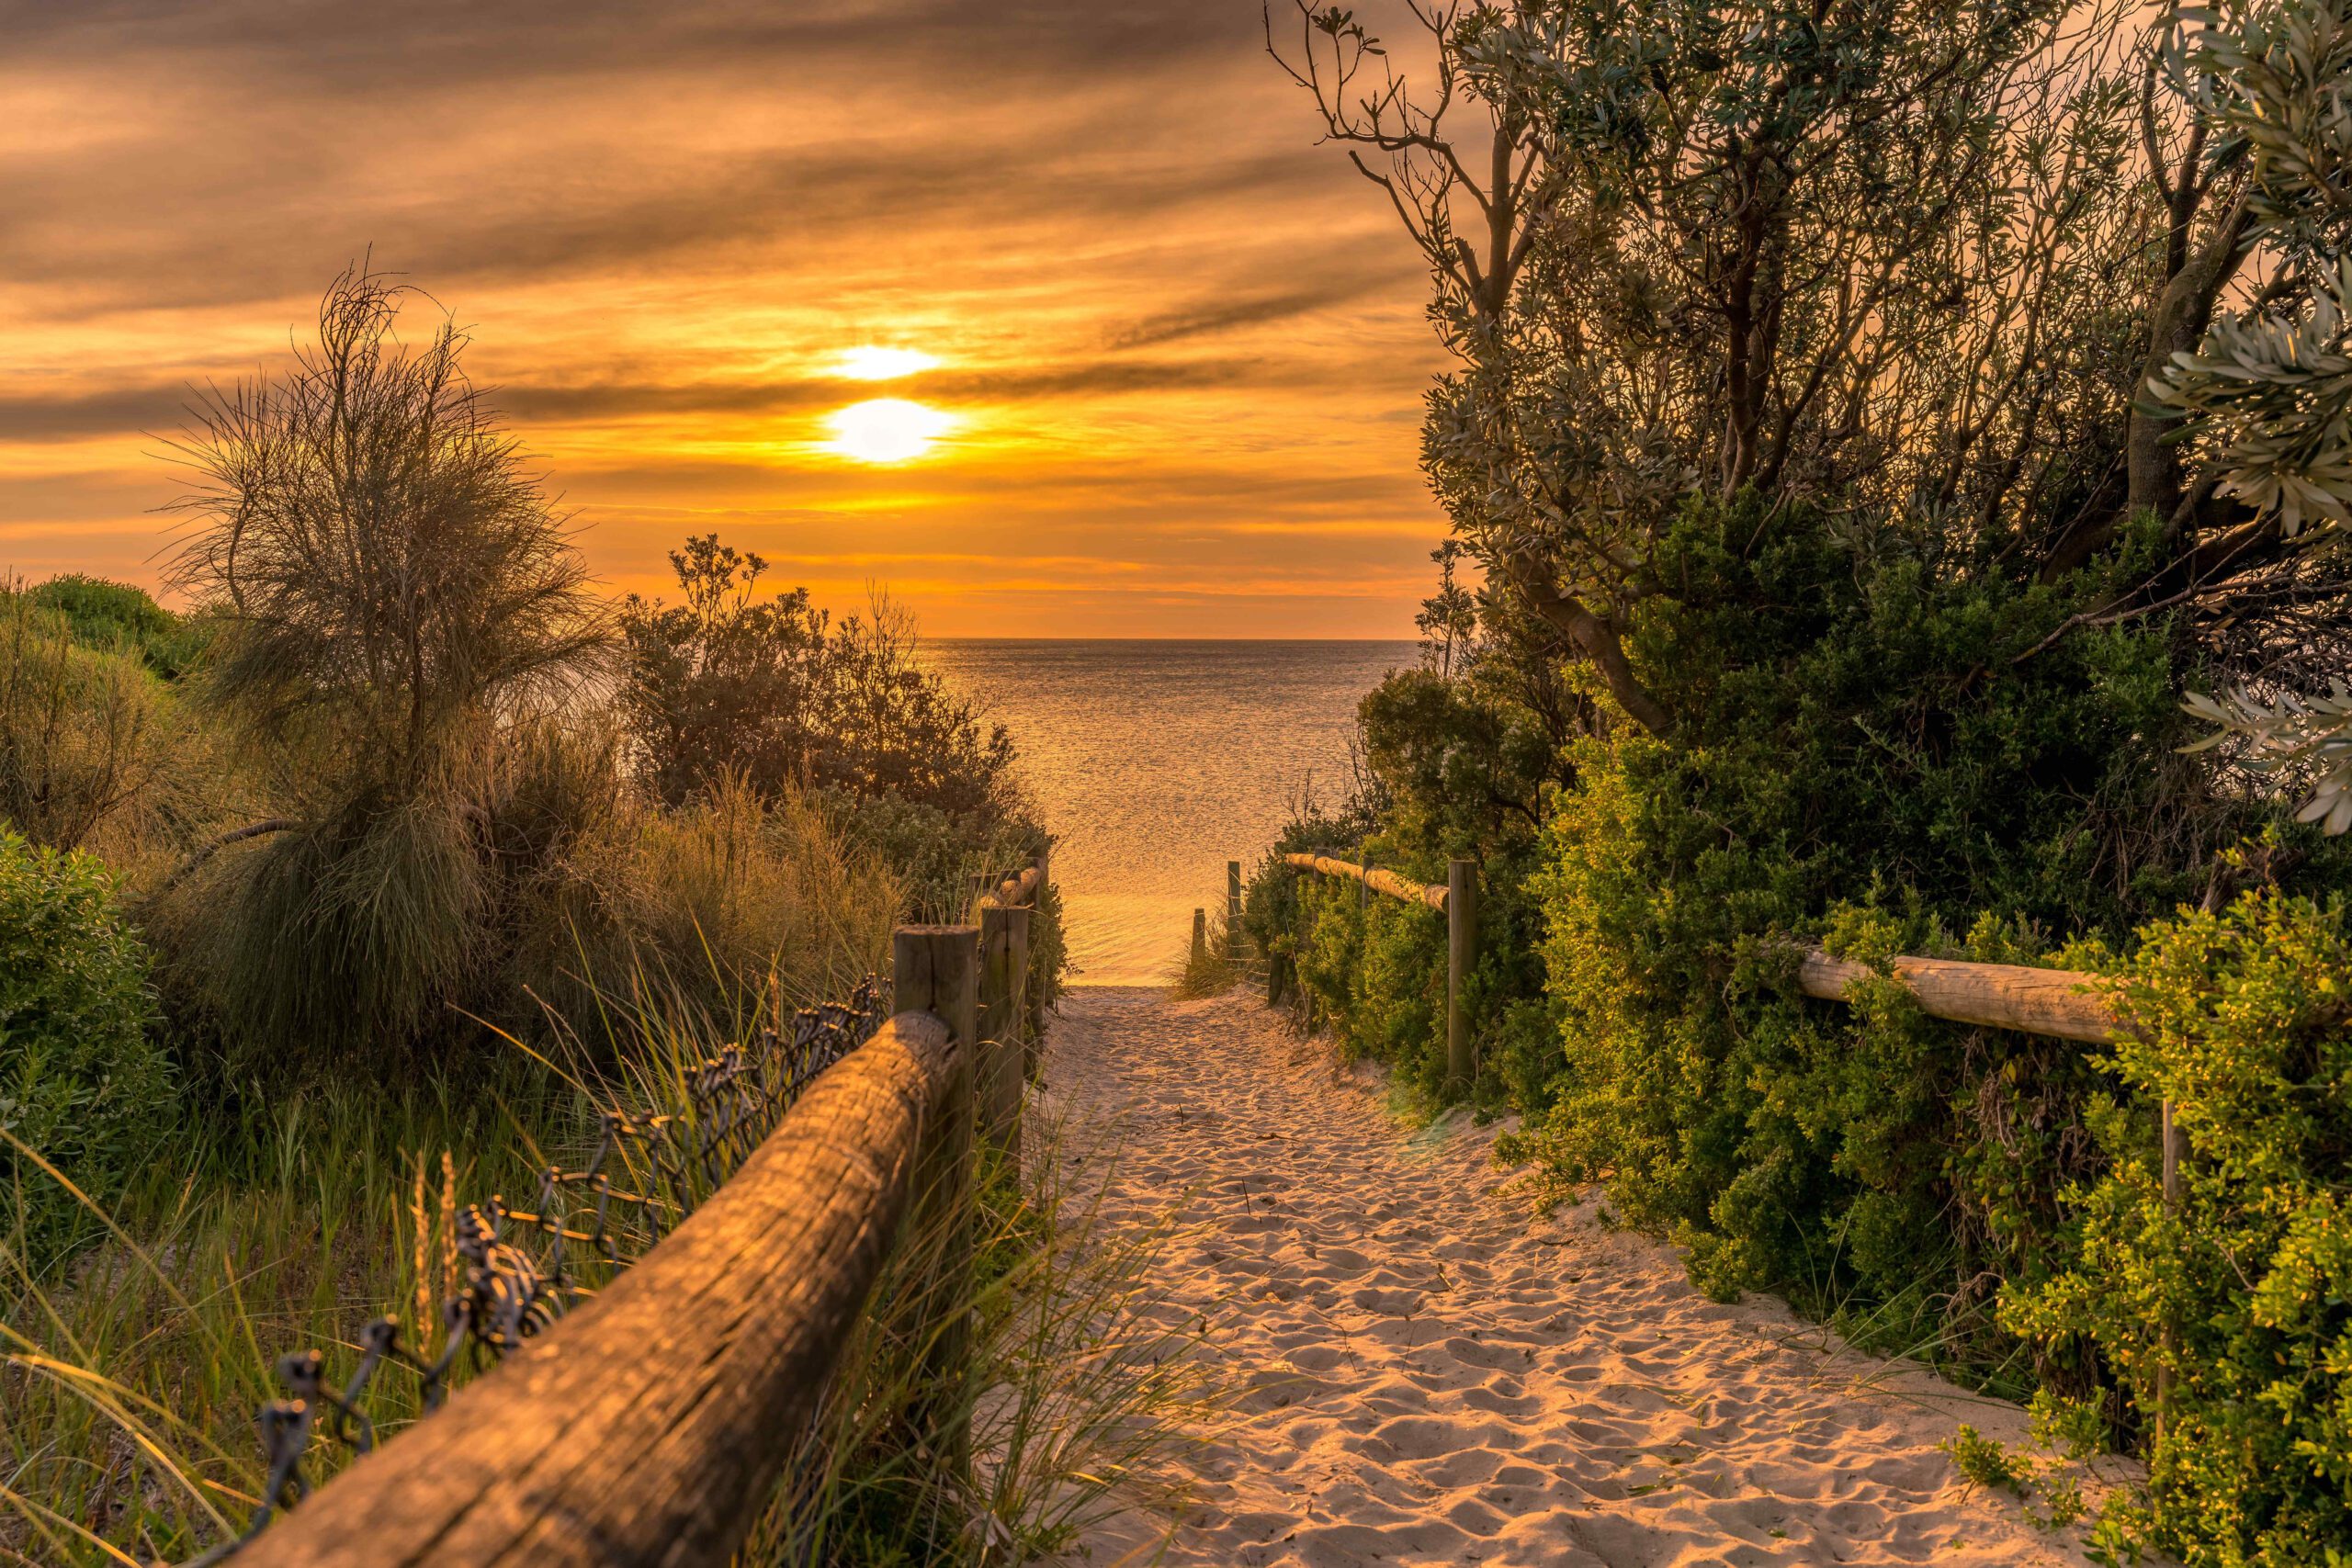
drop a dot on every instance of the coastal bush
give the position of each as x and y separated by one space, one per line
83 1084
1852 731
725 684
115 615
2240 1297
1874 545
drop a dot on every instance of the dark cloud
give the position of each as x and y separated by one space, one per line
165 410
1213 317
336 44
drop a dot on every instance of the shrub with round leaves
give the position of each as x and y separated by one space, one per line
2242 1290
82 1080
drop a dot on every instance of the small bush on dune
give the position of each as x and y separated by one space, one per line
82 1082
399 605
115 616
392 578
772 693
78 741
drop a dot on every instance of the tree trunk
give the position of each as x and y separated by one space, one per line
2176 326
1597 639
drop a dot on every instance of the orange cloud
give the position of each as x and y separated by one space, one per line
1181 349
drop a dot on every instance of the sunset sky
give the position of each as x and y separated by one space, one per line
1178 350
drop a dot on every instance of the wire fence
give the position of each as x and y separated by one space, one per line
519 1270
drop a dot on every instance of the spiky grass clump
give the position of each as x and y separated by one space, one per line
1223 962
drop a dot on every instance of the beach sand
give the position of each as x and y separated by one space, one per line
1422 1370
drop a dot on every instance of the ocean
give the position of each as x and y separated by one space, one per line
1156 762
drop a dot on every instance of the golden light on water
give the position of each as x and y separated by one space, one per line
886 430
871 364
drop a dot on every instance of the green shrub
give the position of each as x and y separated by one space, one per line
81 1081
1860 729
2244 1295
115 615
774 692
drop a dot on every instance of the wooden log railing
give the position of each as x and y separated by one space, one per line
2064 1003
1373 877
651 1425
1457 900
1005 907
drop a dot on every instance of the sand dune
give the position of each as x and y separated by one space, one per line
1427 1374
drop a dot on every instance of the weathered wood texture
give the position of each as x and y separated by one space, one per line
1028 1032
1233 909
2000 996
649 1424
1016 891
936 969
1461 958
1379 881
1003 1063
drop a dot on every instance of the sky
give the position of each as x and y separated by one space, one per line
1178 351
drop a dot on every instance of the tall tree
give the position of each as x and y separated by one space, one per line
1908 261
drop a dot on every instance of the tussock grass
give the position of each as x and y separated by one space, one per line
130 1380
1221 966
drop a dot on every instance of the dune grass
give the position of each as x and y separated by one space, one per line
129 1383
1226 961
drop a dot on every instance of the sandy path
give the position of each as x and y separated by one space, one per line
1431 1376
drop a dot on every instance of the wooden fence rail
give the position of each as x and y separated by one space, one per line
1457 900
2064 1003
651 1424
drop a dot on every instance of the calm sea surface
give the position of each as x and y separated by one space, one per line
1156 762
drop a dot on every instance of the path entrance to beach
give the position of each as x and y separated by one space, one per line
1426 1372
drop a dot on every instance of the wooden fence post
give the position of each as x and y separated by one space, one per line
935 969
1200 935
1028 1032
1005 962
1233 909
1299 938
1461 958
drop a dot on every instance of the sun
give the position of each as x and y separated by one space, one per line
886 430
871 364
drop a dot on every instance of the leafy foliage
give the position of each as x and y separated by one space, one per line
114 615
2240 1296
82 1082
724 684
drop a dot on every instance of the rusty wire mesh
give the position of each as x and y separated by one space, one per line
518 1268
